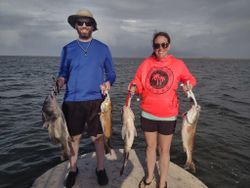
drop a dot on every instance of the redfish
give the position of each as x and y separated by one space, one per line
188 131
106 121
54 120
128 130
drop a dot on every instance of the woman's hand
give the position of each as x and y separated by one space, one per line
132 89
186 87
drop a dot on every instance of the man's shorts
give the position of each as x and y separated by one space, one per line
162 127
78 114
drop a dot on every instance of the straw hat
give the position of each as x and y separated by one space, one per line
83 13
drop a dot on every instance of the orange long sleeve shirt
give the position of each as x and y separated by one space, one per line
157 82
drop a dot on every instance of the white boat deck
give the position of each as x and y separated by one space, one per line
133 173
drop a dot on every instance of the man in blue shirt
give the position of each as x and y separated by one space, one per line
87 71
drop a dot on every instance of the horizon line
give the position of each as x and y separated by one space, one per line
179 57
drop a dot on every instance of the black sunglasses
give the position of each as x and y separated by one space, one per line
87 23
158 45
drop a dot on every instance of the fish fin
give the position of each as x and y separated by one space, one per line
135 131
64 152
70 139
123 133
128 134
44 119
184 115
107 148
184 149
46 125
121 171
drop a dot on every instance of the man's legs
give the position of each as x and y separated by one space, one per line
99 147
74 148
102 177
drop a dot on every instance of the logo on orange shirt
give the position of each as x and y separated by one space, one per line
159 79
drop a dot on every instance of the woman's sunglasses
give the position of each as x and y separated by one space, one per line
86 22
158 45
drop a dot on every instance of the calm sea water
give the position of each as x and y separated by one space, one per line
222 151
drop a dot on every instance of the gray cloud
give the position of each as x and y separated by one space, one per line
199 28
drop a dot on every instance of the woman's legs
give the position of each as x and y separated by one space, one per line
151 144
164 144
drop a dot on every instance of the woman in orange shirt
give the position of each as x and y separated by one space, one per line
156 81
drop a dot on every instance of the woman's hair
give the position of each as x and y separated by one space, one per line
164 34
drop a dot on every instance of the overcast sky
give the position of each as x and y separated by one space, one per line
198 28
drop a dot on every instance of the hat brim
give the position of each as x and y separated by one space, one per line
73 18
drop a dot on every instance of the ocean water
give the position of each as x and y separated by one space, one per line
222 147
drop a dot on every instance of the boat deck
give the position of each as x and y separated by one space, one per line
133 173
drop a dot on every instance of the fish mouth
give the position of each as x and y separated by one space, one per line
198 108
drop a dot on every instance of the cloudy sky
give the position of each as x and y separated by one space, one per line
198 28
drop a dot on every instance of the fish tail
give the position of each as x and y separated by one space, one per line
109 143
64 153
125 161
122 169
190 166
107 147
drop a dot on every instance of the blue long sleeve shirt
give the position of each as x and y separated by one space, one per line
85 66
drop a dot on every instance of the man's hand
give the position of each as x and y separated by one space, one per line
105 87
59 82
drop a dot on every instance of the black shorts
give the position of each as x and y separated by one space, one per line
162 127
77 114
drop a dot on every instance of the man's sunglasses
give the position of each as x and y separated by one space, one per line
158 45
87 23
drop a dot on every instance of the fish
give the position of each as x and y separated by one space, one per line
128 130
106 122
188 131
54 120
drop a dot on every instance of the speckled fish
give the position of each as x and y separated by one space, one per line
189 124
128 130
106 121
54 120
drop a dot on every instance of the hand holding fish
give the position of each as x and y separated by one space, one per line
105 87
186 87
132 89
60 82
